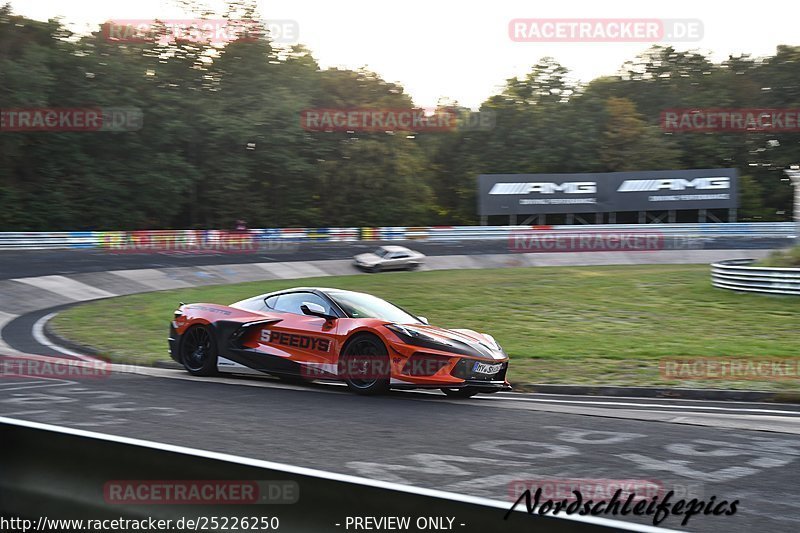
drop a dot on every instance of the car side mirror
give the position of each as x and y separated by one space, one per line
312 309
423 319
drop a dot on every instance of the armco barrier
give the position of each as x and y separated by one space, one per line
30 240
59 473
699 231
158 239
738 275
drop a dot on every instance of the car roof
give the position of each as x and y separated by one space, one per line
392 248
303 289
324 290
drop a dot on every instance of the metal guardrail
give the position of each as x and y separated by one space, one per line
156 239
62 473
738 275
708 230
31 240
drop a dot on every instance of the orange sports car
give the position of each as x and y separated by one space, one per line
305 334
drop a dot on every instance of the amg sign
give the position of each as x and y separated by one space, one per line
659 190
575 187
678 184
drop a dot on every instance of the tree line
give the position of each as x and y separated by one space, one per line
222 138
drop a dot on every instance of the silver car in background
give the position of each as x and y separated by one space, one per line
389 258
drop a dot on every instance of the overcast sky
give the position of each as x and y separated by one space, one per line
461 49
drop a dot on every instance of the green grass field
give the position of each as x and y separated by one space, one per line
586 325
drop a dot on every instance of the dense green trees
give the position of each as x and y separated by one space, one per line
222 136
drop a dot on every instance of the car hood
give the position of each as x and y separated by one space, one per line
368 258
462 341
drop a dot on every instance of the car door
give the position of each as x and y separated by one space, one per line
391 261
306 343
400 260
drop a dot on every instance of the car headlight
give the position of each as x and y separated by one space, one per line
414 333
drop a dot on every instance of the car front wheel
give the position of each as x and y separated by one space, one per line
364 365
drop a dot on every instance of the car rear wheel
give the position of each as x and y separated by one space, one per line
364 365
464 392
199 351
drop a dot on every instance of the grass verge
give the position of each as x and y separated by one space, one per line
581 325
787 257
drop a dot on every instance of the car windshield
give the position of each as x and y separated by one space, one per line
380 252
360 305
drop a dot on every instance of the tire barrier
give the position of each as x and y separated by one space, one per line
739 275
155 240
56 473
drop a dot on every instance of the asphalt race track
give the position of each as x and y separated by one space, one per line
15 264
480 446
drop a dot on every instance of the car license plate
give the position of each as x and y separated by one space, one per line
485 368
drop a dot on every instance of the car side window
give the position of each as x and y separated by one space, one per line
271 301
256 304
400 255
291 302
